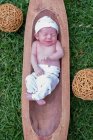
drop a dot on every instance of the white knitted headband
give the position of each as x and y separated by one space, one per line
45 22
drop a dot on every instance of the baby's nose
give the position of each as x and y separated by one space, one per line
49 36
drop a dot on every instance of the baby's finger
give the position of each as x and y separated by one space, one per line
39 73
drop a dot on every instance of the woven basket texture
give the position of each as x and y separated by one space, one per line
82 85
11 18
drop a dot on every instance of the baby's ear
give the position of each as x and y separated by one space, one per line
36 36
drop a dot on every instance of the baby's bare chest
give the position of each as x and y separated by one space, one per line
45 51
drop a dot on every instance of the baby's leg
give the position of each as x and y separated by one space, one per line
32 90
31 83
41 102
46 84
29 97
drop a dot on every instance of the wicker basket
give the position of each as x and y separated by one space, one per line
11 18
82 84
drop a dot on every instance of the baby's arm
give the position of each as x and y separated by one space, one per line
59 52
34 60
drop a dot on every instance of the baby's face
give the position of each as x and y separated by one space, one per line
47 36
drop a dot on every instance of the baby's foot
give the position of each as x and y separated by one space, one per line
29 96
41 102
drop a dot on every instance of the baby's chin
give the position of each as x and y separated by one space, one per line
49 43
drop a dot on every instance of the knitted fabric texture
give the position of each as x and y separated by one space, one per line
11 18
82 84
46 21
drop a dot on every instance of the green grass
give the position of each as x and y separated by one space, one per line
80 20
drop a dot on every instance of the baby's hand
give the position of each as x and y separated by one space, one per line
38 71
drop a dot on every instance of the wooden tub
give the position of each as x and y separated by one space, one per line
50 121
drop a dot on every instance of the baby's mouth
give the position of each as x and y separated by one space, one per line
48 41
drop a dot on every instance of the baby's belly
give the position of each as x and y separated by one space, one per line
51 63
